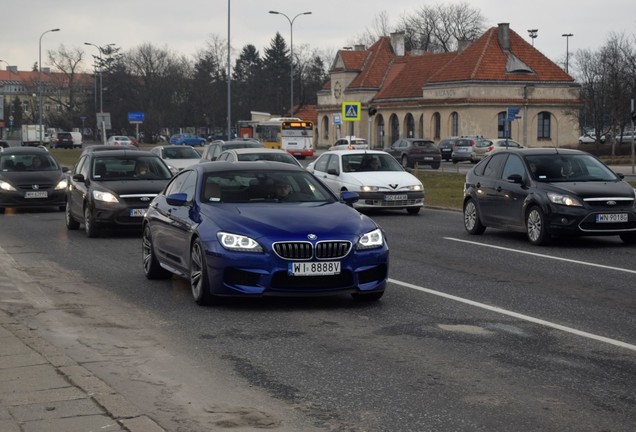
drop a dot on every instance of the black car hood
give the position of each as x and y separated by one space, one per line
127 187
35 177
596 189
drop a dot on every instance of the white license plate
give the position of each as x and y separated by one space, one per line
611 217
137 212
428 158
36 194
314 268
396 197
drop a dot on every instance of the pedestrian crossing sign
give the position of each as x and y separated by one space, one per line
351 111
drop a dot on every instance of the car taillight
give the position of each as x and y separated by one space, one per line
491 148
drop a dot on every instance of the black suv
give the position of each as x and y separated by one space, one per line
63 140
212 151
446 148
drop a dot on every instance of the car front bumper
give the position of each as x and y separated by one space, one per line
266 274
381 200
583 221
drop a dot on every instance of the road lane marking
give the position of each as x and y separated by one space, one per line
517 315
543 255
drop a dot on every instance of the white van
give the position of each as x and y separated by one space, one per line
77 139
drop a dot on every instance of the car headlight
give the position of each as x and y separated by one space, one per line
369 188
61 185
105 197
416 188
6 186
238 243
371 240
563 199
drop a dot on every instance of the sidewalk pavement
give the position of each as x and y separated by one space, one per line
43 390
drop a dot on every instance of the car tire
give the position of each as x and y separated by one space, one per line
472 223
413 210
374 296
152 268
435 166
90 226
536 227
71 223
199 284
454 161
628 238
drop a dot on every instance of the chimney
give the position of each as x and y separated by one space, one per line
397 42
360 47
12 69
46 70
504 36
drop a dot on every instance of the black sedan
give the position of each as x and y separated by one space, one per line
31 177
548 192
113 189
254 229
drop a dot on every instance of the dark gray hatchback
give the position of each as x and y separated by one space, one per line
548 192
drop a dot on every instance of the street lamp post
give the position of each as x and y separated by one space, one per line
101 87
533 34
40 80
291 55
567 37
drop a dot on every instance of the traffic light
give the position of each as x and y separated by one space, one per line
372 111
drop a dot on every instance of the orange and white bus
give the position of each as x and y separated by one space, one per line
293 135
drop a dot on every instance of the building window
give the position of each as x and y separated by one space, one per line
410 126
455 124
395 129
325 128
501 125
437 126
380 131
543 131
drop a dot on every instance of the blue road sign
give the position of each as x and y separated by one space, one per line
136 117
513 113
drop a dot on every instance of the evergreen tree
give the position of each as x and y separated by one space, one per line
276 65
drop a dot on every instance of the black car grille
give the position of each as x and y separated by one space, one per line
29 186
620 204
307 250
402 203
137 201
281 281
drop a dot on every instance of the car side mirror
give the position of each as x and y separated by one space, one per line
515 178
333 171
349 197
79 178
177 199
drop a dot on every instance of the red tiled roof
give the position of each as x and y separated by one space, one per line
483 60
307 112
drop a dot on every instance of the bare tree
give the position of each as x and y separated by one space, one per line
440 27
379 27
68 62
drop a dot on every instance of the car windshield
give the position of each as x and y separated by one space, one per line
129 168
27 162
263 186
566 168
181 153
370 162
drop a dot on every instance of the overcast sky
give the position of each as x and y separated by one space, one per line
184 26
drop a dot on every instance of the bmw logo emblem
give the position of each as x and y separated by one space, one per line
312 236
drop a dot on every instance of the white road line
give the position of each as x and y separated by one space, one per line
517 315
543 255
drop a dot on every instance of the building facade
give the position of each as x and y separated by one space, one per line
468 92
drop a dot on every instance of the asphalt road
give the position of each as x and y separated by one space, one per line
474 334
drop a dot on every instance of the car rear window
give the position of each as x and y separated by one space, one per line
424 144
